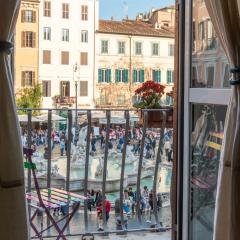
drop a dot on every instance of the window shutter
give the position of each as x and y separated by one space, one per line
169 76
84 58
134 75
116 76
23 79
23 39
109 77
23 16
34 40
33 78
83 88
159 76
142 76
34 16
126 75
100 75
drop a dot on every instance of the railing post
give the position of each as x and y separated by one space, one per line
123 167
69 143
29 144
49 142
108 115
156 170
138 195
89 120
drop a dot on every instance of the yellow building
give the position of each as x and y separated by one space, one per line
26 45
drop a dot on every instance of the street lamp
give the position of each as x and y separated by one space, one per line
75 79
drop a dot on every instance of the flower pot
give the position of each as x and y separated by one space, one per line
155 119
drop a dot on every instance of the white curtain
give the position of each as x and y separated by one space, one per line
13 215
226 20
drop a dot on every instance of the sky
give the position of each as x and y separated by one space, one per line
119 9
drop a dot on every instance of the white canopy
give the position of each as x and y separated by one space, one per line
24 118
55 117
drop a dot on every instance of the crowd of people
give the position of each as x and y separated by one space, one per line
116 141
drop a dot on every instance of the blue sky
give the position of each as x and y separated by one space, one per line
120 8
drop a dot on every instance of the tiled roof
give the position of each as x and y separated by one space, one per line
133 27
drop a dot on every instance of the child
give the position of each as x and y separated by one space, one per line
62 146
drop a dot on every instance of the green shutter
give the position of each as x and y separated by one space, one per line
117 76
159 76
168 76
108 75
126 75
142 76
134 75
154 75
100 75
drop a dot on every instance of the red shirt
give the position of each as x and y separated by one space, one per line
107 206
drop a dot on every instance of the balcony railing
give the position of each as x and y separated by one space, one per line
83 155
64 100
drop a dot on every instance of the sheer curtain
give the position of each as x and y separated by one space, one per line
225 15
13 215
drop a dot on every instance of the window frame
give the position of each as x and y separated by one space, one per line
140 53
48 88
84 12
47 35
121 49
65 35
65 10
47 9
191 96
158 49
84 36
103 47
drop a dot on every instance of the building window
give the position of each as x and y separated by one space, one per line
169 100
84 58
138 76
104 46
201 30
138 48
65 35
65 10
84 12
64 58
121 47
28 78
121 99
171 50
28 16
155 49
156 74
47 33
104 75
84 36
83 88
46 57
47 9
210 75
29 39
121 75
170 76
46 88
65 89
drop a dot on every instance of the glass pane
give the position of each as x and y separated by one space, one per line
206 140
210 67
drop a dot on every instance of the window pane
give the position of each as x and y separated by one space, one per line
206 141
208 58
83 88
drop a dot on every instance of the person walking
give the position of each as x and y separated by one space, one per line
100 213
62 147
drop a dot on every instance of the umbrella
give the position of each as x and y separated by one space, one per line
55 117
24 118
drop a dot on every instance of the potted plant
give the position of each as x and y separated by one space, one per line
150 94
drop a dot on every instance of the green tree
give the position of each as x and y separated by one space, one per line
30 97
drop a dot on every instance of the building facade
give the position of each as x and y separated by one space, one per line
66 52
26 46
129 53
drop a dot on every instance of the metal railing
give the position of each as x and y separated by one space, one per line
89 113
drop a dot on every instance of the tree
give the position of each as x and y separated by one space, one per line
30 97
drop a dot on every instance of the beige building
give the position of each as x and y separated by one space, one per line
26 45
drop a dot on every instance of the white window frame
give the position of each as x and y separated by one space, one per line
158 49
121 47
65 35
101 46
136 48
47 33
84 36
